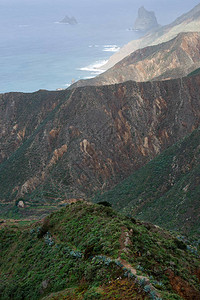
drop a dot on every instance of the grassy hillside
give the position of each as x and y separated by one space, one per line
166 191
89 251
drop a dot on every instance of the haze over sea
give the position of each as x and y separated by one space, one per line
37 52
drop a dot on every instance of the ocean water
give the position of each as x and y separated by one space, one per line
38 52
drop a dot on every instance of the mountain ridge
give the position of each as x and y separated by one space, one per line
189 21
131 145
87 251
172 59
97 136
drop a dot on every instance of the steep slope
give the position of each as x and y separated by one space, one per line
90 252
173 59
20 115
187 22
97 136
166 191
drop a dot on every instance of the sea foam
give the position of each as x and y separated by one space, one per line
111 48
95 69
67 84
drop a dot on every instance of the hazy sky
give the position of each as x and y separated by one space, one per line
38 52
166 10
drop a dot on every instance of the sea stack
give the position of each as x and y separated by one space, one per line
146 20
69 20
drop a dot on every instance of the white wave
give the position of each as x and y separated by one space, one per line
61 23
67 84
60 89
88 77
94 68
111 48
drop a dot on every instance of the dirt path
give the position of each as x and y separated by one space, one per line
125 241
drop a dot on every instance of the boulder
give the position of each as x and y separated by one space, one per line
21 204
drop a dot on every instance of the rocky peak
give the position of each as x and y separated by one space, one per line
69 20
186 23
146 20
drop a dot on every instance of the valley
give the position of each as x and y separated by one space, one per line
100 182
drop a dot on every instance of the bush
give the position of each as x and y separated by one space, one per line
44 228
105 203
91 295
88 251
180 244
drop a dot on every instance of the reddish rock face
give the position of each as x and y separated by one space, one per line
172 59
20 115
90 138
182 287
189 22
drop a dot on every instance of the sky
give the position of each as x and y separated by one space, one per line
166 10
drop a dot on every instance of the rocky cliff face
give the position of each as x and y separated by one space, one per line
96 136
20 115
186 23
146 20
173 59
165 191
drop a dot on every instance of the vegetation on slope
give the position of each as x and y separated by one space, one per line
95 137
24 161
166 191
87 251
20 115
195 72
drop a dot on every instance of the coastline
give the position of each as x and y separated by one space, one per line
96 68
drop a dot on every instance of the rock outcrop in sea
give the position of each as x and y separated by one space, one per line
186 23
146 20
69 20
